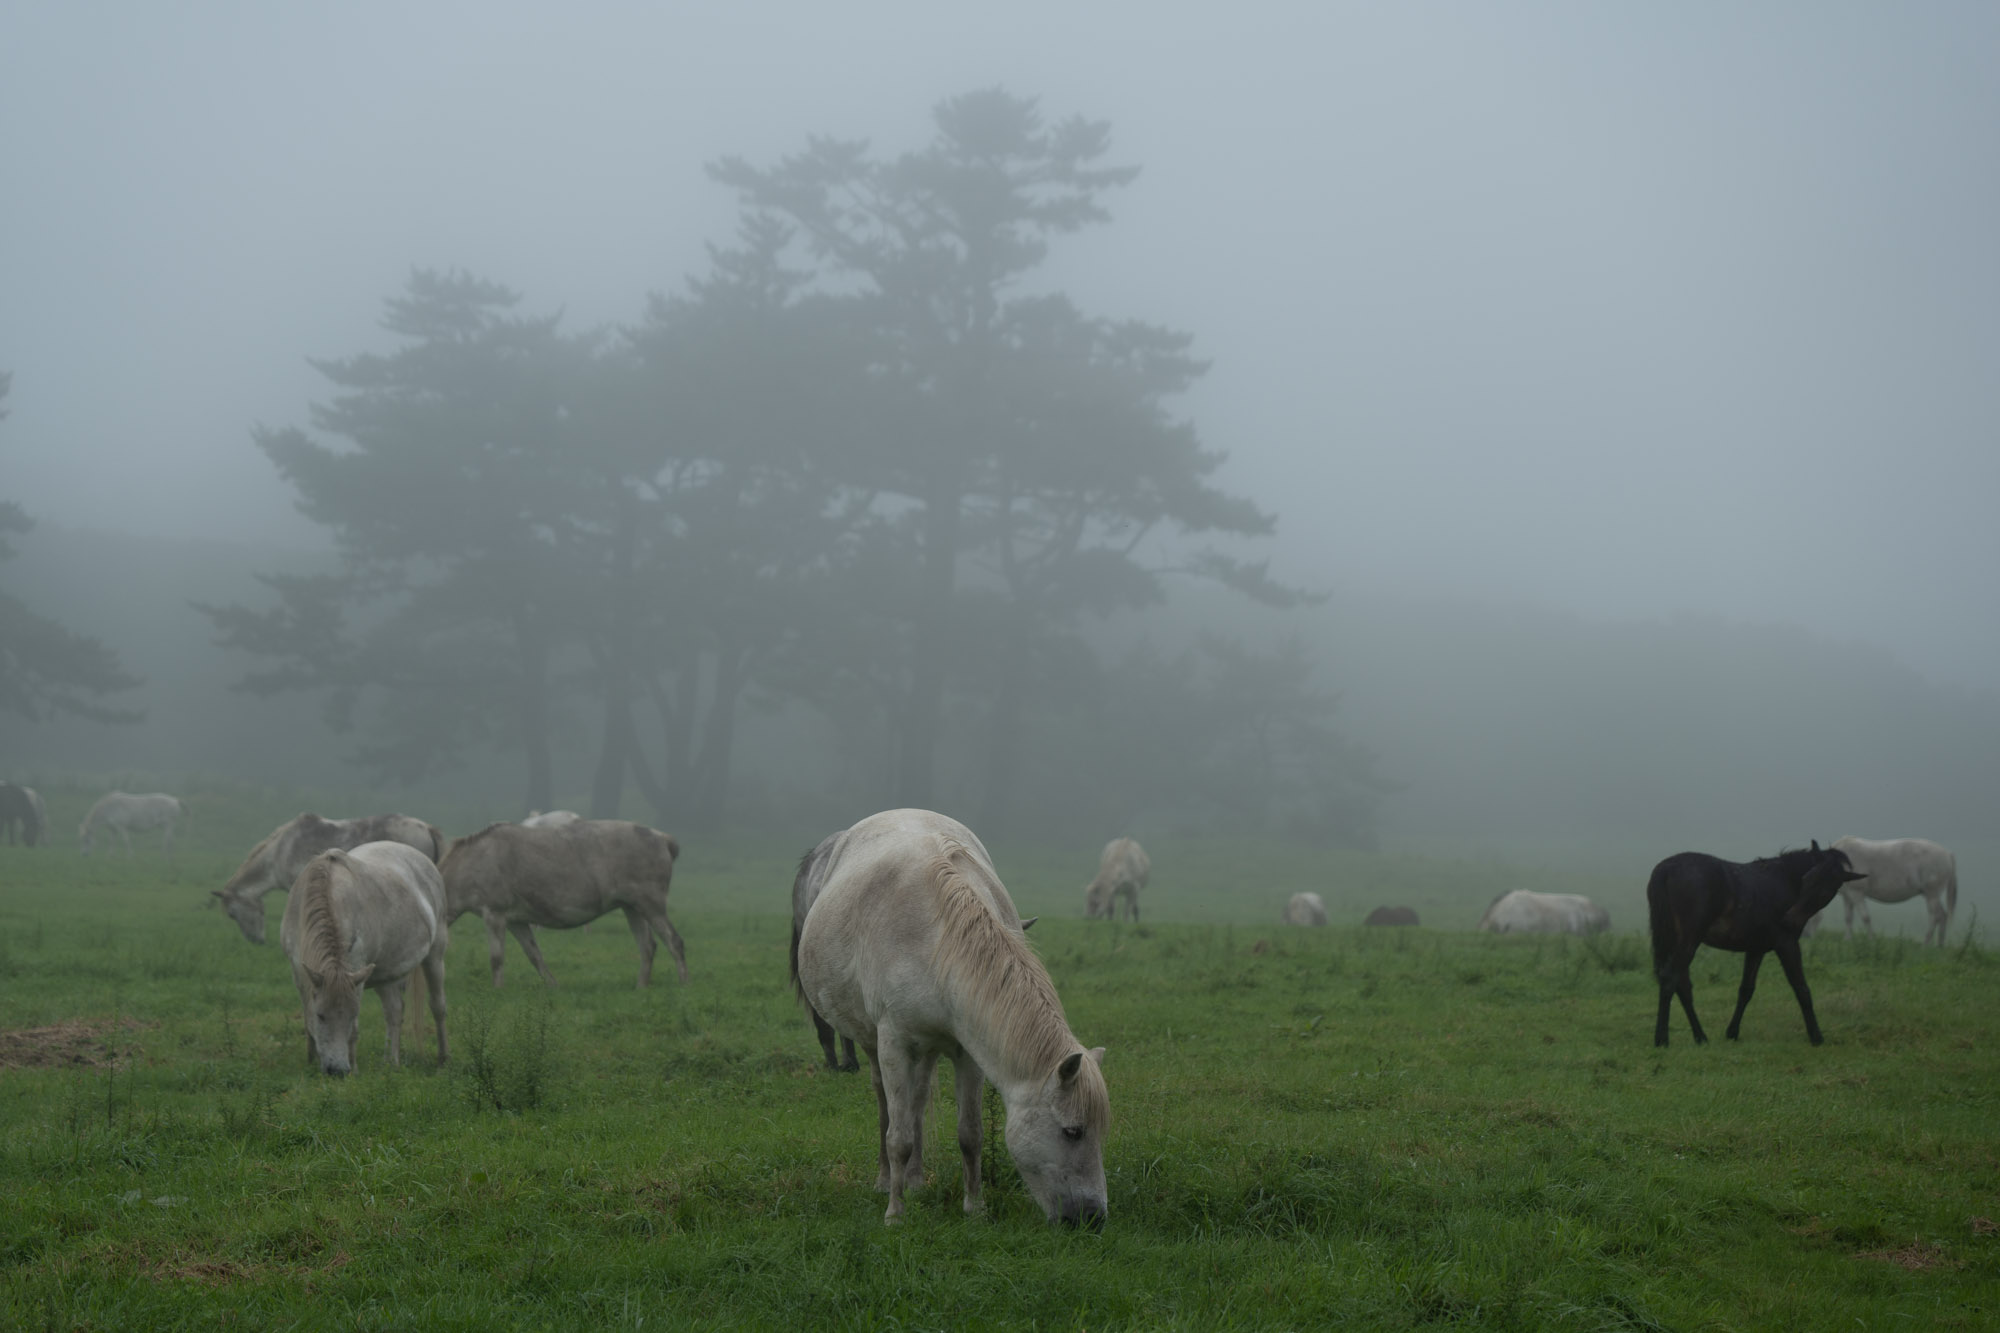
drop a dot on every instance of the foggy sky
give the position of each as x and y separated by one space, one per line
1618 310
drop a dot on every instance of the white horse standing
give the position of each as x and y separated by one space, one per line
1122 870
1898 870
364 919
914 950
124 814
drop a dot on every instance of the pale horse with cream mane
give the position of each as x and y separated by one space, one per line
366 919
914 950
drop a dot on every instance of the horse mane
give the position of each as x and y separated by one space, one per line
321 948
997 971
256 852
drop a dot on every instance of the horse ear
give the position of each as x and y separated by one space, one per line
1815 844
1096 1054
1849 876
1067 1069
317 979
361 978
1029 922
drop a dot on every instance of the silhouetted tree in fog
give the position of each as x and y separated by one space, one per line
1023 451
453 508
45 668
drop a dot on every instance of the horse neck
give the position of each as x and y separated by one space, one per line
323 945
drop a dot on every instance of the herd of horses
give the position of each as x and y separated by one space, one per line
904 944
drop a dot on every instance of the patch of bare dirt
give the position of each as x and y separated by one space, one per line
77 1043
1915 1256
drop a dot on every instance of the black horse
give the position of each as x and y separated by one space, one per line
18 816
1752 909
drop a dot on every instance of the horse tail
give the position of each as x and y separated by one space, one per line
437 843
1660 919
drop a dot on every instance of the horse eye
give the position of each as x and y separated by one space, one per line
1073 1135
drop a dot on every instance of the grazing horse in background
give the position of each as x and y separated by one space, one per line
1899 870
21 814
125 814
550 818
1392 916
275 862
1526 912
364 919
1121 872
913 949
518 878
1752 909
1304 909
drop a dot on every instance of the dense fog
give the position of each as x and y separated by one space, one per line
1439 428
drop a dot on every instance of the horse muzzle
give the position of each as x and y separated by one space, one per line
1085 1213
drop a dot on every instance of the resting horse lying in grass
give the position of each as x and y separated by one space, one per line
1752 909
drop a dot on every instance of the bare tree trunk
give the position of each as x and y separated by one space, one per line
534 704
607 789
916 776
718 740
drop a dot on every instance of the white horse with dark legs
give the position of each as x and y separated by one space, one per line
124 814
518 878
276 862
1898 870
1122 870
913 949
365 919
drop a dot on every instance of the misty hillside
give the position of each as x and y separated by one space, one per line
1504 728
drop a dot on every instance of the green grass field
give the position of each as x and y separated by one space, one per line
1310 1128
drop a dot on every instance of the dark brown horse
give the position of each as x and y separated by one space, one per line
1750 908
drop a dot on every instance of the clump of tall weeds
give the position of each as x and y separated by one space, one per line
506 1065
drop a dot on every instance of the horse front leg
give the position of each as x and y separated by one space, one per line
1940 918
525 933
496 945
1752 960
901 1136
881 1123
1795 972
969 1083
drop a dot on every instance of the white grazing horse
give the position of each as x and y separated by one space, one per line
124 814
1526 912
276 862
1121 872
913 949
364 919
1304 909
1898 870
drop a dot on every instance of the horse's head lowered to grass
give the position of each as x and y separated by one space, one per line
1056 1138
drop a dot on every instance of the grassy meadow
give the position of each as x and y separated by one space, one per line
1337 1127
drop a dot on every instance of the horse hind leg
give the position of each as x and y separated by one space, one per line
656 917
848 1064
643 933
881 1123
525 933
392 1016
433 966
